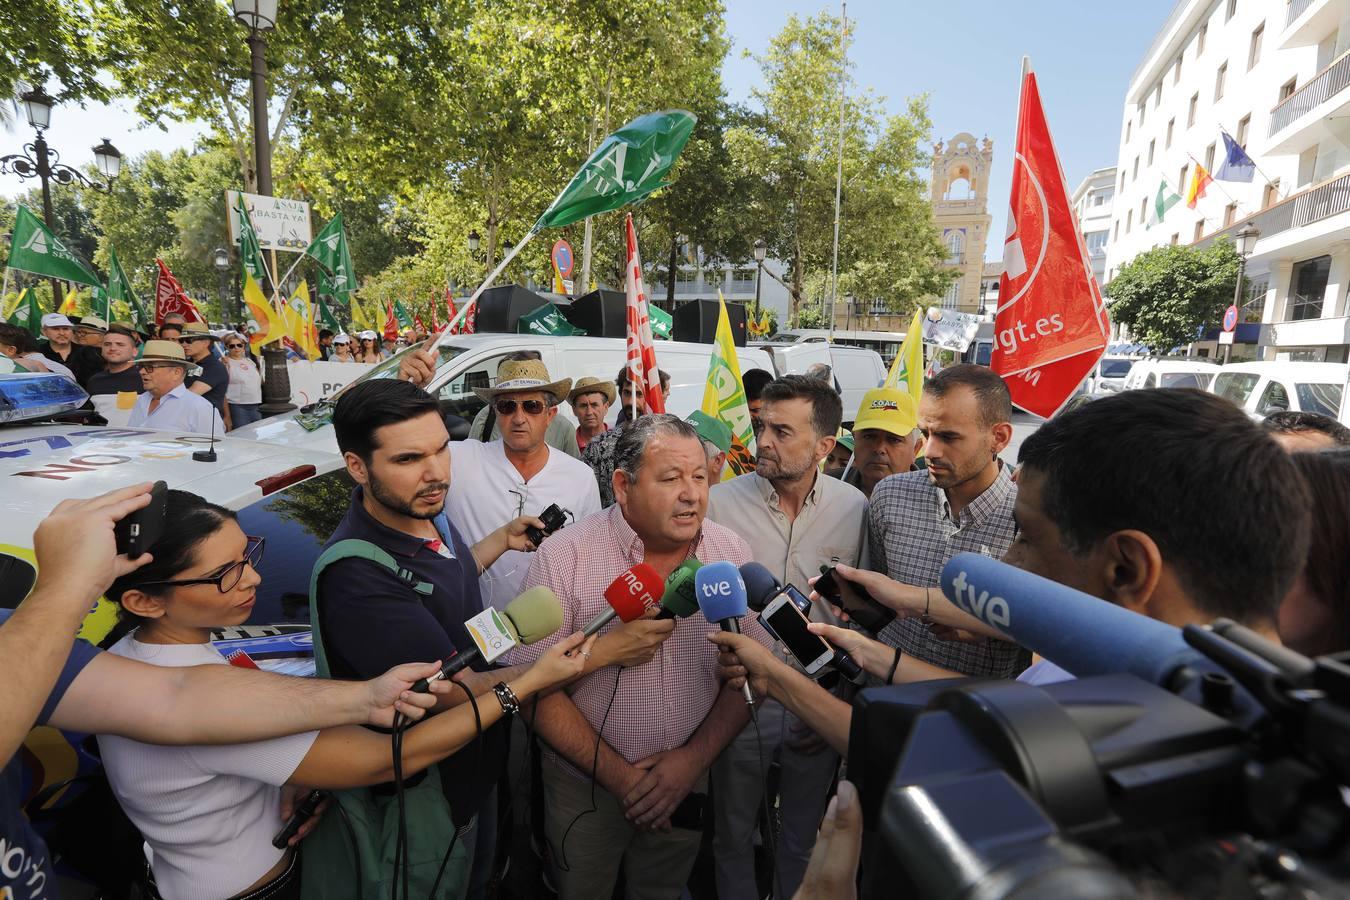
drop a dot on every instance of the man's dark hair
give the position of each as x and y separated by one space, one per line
366 407
1291 422
621 380
1327 573
324 334
125 331
827 411
1223 502
754 381
991 393
18 338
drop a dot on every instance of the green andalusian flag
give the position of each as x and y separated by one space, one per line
329 250
27 313
662 322
627 166
401 314
1164 200
250 254
35 249
120 291
547 319
327 319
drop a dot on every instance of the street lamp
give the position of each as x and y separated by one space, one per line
761 250
259 17
475 240
43 163
220 258
1245 244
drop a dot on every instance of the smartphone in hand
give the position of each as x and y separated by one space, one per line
139 531
788 624
854 600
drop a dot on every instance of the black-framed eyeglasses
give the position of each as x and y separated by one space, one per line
229 577
508 407
234 346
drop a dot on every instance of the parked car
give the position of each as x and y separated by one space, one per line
1108 376
1164 371
1262 388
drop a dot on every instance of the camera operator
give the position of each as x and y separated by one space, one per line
1144 539
50 678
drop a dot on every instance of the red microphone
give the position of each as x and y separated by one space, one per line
629 596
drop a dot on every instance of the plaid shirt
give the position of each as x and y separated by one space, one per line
599 455
655 706
912 538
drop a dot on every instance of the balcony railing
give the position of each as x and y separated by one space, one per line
1330 82
1296 9
1313 205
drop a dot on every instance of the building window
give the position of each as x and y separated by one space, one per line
1096 243
1171 126
1176 70
1308 288
1287 89
953 295
1122 181
1229 214
1117 236
1176 238
1143 104
1254 298
1209 159
1232 8
1143 210
1200 39
956 245
1195 105
1134 175
1219 79
1254 50
1129 221
1271 195
1199 231
1181 179
1129 127
1157 95
1244 126
1150 151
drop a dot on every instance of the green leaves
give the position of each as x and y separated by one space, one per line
1165 295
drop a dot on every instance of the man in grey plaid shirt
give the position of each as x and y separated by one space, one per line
962 503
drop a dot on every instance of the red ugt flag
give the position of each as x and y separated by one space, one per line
390 324
170 298
641 347
1051 325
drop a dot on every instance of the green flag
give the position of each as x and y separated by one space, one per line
662 322
120 291
1164 200
547 319
401 314
330 251
249 252
327 319
627 166
35 249
27 314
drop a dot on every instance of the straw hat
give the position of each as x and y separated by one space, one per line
158 351
514 376
592 385
198 331
93 323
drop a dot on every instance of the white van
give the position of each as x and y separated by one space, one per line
1155 372
470 361
856 370
1262 388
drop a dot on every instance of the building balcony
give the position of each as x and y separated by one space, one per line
1299 120
1319 332
1298 224
1307 22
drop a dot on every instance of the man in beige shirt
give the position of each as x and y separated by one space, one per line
795 519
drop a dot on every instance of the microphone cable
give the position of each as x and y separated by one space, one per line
595 766
477 770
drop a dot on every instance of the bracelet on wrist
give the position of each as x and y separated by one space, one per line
507 698
927 603
895 664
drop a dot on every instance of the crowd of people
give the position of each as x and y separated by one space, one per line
645 742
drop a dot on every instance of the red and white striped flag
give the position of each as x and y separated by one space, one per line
171 298
451 312
641 347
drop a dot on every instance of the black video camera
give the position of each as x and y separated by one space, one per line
554 517
1220 785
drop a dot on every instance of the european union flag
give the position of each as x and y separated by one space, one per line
1237 165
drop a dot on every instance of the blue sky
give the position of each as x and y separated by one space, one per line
1083 53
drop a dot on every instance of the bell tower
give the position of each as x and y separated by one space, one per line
960 194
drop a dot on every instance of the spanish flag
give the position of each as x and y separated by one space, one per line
1199 181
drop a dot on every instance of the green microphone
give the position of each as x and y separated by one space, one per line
679 600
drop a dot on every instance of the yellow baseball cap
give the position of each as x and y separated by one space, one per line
889 409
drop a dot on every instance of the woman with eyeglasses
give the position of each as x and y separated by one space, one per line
244 393
208 814
369 351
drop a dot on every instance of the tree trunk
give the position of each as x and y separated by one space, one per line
670 274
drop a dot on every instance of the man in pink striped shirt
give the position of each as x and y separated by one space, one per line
646 734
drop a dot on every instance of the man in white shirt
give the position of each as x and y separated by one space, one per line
166 404
519 474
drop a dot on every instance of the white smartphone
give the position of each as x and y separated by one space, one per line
788 623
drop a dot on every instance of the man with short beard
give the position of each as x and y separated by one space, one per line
962 503
60 347
119 373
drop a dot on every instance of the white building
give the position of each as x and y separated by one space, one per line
1093 202
1276 76
702 278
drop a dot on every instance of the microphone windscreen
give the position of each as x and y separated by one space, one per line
760 585
679 599
1082 634
634 591
534 615
720 592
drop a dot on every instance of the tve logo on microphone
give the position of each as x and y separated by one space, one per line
993 610
716 588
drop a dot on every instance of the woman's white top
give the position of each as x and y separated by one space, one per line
245 381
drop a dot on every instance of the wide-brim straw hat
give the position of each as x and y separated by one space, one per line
515 376
592 385
197 331
158 351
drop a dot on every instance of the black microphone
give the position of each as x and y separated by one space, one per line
208 455
761 586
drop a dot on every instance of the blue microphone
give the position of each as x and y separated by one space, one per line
721 597
1082 634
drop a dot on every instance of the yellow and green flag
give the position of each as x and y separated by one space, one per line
908 364
724 397
270 326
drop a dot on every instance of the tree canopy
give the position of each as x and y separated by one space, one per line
1167 294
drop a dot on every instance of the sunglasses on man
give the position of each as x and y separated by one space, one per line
508 407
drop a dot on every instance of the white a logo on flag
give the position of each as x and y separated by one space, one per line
37 243
1014 260
331 242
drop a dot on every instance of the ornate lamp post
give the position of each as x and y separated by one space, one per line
761 250
1245 244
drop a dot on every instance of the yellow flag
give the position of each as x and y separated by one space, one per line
11 308
724 397
270 326
72 300
908 364
300 321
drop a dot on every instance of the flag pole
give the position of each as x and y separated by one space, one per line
839 170
459 316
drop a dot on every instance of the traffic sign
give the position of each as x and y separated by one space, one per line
562 258
1230 317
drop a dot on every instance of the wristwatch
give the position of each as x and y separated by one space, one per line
507 698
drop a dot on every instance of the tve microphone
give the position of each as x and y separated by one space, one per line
1082 634
721 596
761 587
532 616
679 600
628 596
